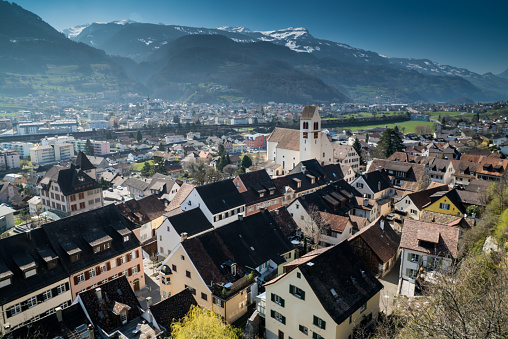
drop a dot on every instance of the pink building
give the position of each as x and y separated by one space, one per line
257 140
101 147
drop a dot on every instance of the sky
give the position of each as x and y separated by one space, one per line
466 33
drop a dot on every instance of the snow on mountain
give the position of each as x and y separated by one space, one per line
73 32
233 29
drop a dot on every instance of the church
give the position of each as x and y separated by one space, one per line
287 147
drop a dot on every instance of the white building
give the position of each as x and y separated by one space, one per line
287 147
51 153
98 124
23 148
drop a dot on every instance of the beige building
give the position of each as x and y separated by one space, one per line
346 155
69 191
222 270
41 155
313 299
33 281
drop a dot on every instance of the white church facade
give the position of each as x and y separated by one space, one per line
287 147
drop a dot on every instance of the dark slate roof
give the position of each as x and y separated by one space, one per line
19 252
422 198
285 221
239 242
70 179
220 196
192 222
322 175
135 183
143 210
383 242
83 162
337 198
74 321
113 292
373 179
173 308
342 270
256 182
76 232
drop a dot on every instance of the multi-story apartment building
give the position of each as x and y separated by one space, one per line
346 154
33 281
69 190
23 148
96 247
99 147
29 128
9 160
257 140
40 155
57 140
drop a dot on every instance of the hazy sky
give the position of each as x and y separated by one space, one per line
466 33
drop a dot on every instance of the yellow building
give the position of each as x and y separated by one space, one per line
446 202
327 293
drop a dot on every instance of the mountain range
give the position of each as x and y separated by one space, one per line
221 64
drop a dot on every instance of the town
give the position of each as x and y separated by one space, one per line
287 221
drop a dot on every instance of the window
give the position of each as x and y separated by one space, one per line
298 275
297 292
97 200
303 329
319 322
182 257
81 205
92 272
121 260
31 302
444 206
81 277
363 308
90 202
81 195
46 295
135 270
359 185
61 289
204 296
173 267
413 257
15 309
74 207
105 281
277 316
277 299
126 238
317 336
188 274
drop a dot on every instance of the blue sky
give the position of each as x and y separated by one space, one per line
469 34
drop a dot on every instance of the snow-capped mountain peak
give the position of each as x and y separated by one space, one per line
236 29
73 32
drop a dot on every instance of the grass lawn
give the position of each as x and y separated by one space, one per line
138 166
409 125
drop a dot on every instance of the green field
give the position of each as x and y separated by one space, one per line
137 167
409 126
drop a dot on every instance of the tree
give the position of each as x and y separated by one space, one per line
246 161
230 169
115 124
176 120
358 148
389 143
89 148
161 147
473 209
221 149
139 136
315 225
131 135
159 166
202 323
367 138
423 130
468 301
147 169
109 135
197 171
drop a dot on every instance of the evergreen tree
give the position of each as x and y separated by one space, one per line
367 138
89 148
389 143
228 160
176 120
146 170
161 147
358 148
159 166
246 161
109 135
131 135
221 149
139 136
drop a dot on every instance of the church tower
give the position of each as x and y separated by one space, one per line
310 136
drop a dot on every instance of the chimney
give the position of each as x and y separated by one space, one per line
382 224
240 217
183 236
58 312
98 292
29 235
7 328
379 185
90 331
304 169
379 168
149 301
365 202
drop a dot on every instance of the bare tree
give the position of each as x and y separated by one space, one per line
314 225
230 169
468 301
